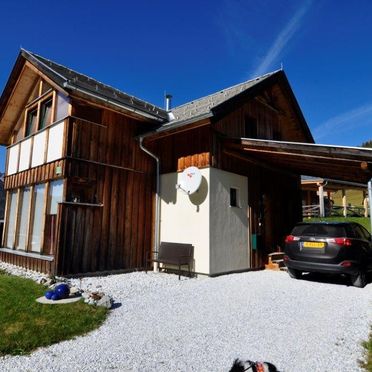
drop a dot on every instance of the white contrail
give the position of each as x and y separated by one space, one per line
352 119
283 38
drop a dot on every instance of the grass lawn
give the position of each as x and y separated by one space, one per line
368 346
26 325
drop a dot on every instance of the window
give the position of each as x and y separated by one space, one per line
234 197
31 122
361 233
61 106
277 136
37 224
28 221
250 127
38 113
45 113
11 220
55 196
23 223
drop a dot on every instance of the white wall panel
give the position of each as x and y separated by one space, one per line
13 159
38 149
55 144
24 158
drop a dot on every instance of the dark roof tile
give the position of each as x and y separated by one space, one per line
66 78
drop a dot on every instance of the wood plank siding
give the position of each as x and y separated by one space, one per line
271 192
40 174
105 220
184 149
28 262
106 223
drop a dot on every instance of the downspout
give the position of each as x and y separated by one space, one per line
370 201
157 203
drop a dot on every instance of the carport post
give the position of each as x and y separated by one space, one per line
321 200
370 201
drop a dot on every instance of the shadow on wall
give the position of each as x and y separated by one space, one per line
170 196
169 192
200 196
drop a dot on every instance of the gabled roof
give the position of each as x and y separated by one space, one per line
213 104
87 87
206 104
83 86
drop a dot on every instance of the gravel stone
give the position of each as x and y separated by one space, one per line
162 324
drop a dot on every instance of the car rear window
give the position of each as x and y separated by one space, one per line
319 230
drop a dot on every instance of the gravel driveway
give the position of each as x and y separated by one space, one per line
162 324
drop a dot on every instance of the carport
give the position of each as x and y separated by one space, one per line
351 164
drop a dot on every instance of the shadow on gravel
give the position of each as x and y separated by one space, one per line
331 279
116 305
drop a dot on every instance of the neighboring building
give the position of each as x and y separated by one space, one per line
334 194
80 189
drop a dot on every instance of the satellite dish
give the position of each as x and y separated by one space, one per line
190 180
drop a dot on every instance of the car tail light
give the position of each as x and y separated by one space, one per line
291 238
343 241
346 263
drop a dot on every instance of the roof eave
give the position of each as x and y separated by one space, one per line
87 94
170 127
67 84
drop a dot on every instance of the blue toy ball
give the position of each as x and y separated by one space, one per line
55 296
49 294
62 290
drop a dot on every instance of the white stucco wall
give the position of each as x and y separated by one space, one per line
228 225
185 219
218 232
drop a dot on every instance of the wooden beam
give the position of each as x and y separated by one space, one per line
46 78
366 166
258 162
173 131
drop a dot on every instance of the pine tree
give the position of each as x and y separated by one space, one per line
367 144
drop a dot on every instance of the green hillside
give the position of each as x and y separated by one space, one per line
353 197
361 220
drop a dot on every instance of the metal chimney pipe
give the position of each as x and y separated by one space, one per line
168 100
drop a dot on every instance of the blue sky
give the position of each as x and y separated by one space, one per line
193 48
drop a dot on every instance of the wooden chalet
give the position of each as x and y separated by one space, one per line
81 177
79 189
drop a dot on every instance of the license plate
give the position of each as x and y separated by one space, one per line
313 245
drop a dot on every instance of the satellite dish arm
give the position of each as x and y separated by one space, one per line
179 187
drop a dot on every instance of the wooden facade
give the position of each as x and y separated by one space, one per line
104 219
106 223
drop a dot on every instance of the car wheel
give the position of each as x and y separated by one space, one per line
359 280
295 274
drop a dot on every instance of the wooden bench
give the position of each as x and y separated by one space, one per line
179 254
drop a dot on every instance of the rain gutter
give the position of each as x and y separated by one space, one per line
157 203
